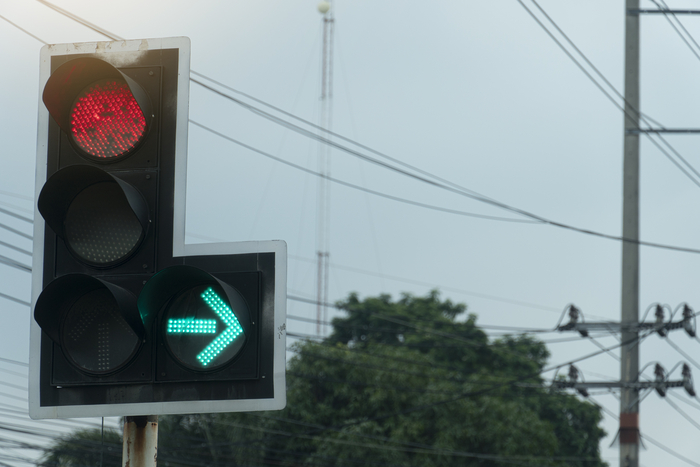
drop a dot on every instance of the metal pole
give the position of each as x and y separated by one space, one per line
324 168
629 364
322 195
140 445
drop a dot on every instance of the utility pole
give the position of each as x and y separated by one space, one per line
140 441
629 363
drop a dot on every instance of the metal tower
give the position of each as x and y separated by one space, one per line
323 201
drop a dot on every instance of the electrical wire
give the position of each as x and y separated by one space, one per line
647 437
417 177
302 336
417 448
358 187
431 284
348 268
669 450
15 231
290 297
80 20
522 331
14 362
499 204
685 415
682 352
478 392
14 264
47 3
12 396
398 370
634 111
13 247
388 318
600 346
341 427
9 297
115 37
13 373
17 216
684 400
13 386
668 13
382 368
23 30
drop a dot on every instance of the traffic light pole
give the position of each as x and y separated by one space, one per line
140 445
629 363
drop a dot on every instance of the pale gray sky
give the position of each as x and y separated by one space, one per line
475 92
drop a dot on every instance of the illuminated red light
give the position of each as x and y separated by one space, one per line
106 120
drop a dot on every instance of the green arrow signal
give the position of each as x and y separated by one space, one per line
208 326
191 326
230 334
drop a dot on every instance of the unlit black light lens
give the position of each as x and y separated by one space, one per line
95 335
100 226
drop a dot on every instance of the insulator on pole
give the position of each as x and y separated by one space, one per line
688 380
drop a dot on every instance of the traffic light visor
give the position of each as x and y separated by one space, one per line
101 218
95 323
104 112
203 321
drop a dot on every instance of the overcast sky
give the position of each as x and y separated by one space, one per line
474 92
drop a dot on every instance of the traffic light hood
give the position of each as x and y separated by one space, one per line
113 204
70 79
172 281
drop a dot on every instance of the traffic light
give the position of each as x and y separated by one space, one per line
127 319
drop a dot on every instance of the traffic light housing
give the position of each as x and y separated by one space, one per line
127 319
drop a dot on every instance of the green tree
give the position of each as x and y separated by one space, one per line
85 448
410 384
407 383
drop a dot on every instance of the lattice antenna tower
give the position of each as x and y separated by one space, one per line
323 202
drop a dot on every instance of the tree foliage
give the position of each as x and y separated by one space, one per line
404 383
85 448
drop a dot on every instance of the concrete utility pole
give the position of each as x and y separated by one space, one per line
140 445
629 364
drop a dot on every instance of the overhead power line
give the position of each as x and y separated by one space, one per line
23 30
643 117
14 264
532 216
357 187
9 297
16 248
647 437
668 14
18 216
445 186
15 231
80 20
468 341
434 285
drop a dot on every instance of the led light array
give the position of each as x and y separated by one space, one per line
227 315
220 307
217 346
107 121
191 326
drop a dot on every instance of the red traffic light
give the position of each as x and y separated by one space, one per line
106 120
105 113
